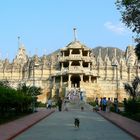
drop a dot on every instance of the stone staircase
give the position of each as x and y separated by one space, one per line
77 105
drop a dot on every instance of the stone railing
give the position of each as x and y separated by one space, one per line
63 58
86 58
75 57
75 69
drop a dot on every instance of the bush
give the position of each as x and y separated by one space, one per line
132 106
136 117
112 108
92 103
40 104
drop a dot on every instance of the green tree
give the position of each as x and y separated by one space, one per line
130 12
31 91
132 89
137 50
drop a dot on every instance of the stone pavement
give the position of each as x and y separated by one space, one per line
9 130
130 126
60 126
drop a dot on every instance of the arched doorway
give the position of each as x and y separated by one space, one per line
75 81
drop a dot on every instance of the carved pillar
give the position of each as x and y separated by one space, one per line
88 54
89 78
81 52
69 80
81 76
70 51
62 54
96 80
70 64
114 73
89 65
54 81
81 63
62 66
61 80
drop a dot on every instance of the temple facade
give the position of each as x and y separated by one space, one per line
75 67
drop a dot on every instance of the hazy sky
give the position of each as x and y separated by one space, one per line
47 25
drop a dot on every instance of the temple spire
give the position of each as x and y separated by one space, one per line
133 40
18 41
74 30
115 52
107 52
100 53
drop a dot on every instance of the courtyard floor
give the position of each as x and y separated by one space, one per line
55 125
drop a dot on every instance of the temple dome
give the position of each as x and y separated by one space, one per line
75 45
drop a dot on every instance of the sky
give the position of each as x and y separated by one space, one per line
47 25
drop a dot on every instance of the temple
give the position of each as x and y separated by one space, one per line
98 72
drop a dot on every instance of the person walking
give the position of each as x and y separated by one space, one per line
101 104
97 104
49 105
116 105
96 101
108 104
65 105
59 104
104 104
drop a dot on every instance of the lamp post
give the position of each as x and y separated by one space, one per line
117 84
33 93
50 65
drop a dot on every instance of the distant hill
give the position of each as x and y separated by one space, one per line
119 52
95 51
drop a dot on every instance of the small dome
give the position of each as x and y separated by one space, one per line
75 45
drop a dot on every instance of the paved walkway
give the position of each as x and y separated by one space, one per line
10 130
60 126
128 125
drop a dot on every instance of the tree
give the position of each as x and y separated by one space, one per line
137 50
130 11
132 89
29 90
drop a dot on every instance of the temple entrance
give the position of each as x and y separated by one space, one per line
75 81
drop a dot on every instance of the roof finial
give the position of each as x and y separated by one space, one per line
18 41
133 40
74 29
115 52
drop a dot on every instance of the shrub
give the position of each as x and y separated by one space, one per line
132 106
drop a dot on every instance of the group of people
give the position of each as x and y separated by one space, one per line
75 95
105 104
59 104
